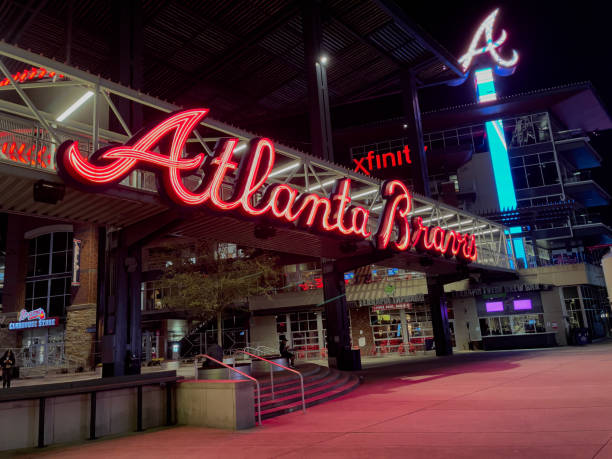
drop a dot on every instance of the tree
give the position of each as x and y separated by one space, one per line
208 277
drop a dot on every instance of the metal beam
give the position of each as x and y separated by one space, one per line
73 126
426 41
117 114
42 84
28 102
227 59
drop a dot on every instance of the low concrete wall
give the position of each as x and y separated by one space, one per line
67 417
223 404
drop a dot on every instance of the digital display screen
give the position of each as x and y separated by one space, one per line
494 306
522 305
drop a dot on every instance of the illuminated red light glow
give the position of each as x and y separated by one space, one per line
27 156
382 161
32 74
280 202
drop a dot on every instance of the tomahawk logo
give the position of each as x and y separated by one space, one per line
491 46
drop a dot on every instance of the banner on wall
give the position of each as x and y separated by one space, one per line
390 307
76 262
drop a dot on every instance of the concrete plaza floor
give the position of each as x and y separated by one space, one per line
536 404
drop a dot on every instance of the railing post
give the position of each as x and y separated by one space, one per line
41 422
272 380
92 416
258 402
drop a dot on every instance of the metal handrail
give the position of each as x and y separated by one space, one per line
195 366
272 376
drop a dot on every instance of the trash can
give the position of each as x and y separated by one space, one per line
580 336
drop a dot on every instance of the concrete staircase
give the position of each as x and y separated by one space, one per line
321 384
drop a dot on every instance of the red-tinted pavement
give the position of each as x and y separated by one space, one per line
546 403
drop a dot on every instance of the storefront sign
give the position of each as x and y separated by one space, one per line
280 203
76 262
388 307
500 289
33 319
393 301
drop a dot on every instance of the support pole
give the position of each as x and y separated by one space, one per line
340 355
439 316
41 422
92 416
414 132
316 78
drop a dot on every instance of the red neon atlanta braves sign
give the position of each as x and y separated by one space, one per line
279 202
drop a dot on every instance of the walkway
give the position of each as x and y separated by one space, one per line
538 404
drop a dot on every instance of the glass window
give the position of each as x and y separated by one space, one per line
505 325
47 276
531 159
547 157
516 161
43 244
495 325
519 178
549 172
484 327
534 176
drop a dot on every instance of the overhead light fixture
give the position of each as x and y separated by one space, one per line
316 187
84 98
240 148
365 193
284 169
323 59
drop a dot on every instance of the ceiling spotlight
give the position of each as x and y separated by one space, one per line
323 59
405 126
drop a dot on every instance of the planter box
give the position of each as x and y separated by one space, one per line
224 373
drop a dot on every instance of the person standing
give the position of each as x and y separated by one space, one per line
7 363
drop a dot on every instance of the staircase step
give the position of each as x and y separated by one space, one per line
351 384
283 379
305 370
293 382
329 385
296 388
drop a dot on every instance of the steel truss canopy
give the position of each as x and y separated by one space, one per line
30 136
243 59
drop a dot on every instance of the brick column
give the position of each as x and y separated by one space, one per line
81 315
360 322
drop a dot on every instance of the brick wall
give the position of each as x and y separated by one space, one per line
8 338
360 322
79 344
81 315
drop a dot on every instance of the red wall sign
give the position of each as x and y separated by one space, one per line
366 163
281 203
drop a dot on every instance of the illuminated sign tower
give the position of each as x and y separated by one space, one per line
485 91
